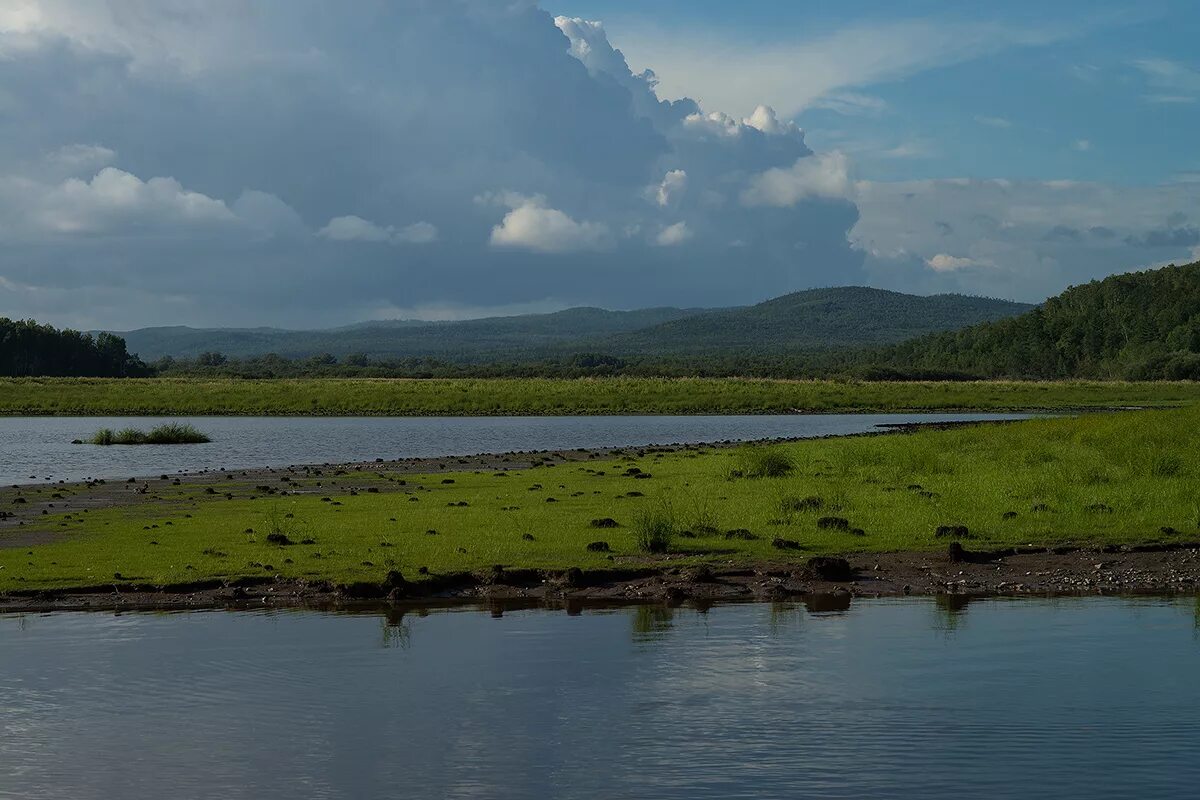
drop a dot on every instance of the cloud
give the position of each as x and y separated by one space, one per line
673 184
1034 237
764 119
716 67
356 229
532 226
1173 81
820 176
1081 145
112 201
672 235
852 104
239 161
943 262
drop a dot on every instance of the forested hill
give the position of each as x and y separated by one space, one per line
528 336
1138 325
27 348
817 319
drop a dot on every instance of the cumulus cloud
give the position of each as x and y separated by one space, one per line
825 175
943 262
672 235
352 228
530 225
673 184
111 201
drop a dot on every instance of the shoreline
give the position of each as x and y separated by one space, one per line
1021 572
951 570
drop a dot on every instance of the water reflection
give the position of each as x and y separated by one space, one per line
834 603
950 611
651 622
820 698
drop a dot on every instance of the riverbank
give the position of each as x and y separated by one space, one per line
543 396
1084 484
1030 572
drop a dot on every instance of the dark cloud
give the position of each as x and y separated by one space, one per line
1187 236
323 163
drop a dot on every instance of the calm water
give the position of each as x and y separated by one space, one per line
40 449
1093 698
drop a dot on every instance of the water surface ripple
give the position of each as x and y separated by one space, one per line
1088 698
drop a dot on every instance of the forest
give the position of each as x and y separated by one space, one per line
1133 326
30 349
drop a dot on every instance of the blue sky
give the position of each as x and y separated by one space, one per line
306 163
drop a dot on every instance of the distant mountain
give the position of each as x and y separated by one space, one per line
529 336
1138 325
851 316
818 319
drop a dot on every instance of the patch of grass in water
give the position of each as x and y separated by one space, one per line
168 433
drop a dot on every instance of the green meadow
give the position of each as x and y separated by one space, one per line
1129 477
404 397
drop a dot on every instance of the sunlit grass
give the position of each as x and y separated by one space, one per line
316 396
1131 477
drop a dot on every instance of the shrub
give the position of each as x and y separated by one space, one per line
654 529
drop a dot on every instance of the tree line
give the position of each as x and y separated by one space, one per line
30 349
1138 326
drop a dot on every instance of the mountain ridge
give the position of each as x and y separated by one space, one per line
812 319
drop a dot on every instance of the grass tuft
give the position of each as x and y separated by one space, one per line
764 462
654 529
168 433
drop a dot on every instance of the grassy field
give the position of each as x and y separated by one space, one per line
99 396
1131 477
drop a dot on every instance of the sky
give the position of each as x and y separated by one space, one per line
305 163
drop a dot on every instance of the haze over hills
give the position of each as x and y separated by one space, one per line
809 320
1137 325
525 336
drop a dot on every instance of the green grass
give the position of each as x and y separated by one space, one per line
168 433
317 396
1131 477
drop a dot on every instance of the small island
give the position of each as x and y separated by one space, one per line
169 433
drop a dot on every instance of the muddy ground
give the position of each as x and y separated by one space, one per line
828 583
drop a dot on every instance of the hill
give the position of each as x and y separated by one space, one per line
814 320
1137 325
525 337
817 319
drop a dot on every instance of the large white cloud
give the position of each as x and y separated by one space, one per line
530 225
821 176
